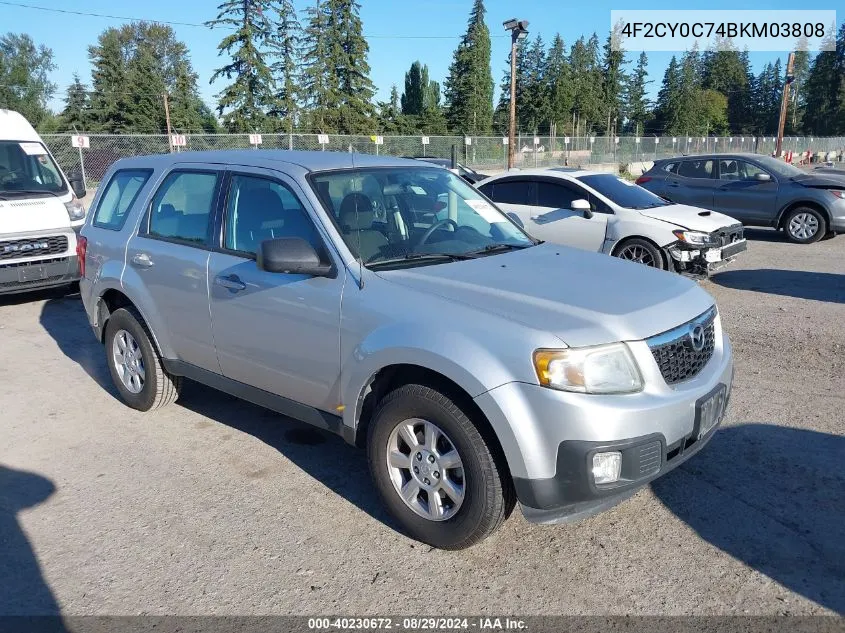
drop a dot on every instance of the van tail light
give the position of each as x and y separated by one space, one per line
81 251
642 179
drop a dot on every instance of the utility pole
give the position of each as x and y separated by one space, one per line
167 117
518 29
784 103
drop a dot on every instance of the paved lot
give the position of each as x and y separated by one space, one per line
214 506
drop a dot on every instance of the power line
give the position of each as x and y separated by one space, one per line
23 5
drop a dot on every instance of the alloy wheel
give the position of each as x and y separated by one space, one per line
128 361
803 226
426 469
637 253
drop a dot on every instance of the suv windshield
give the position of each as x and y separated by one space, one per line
400 216
625 194
27 168
778 166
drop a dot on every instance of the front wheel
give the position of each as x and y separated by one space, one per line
435 471
640 251
805 225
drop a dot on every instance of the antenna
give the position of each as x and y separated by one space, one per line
358 233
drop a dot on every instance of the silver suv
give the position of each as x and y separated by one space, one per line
389 302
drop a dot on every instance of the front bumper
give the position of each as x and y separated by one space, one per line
550 436
705 260
36 275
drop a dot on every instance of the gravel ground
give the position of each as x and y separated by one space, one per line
214 506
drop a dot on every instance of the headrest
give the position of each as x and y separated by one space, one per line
356 212
260 203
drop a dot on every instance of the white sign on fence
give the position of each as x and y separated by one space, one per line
656 140
378 140
255 139
78 140
536 140
425 140
637 140
566 140
674 139
467 140
703 139
505 140
323 139
592 140
178 140
617 140
689 140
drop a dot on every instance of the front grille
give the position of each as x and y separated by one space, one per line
33 247
675 351
729 234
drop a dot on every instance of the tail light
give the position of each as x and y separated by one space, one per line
642 179
81 251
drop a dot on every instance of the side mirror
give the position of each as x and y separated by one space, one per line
516 219
762 177
582 206
292 255
77 185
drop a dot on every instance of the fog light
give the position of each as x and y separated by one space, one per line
607 467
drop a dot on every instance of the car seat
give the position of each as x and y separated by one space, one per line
356 221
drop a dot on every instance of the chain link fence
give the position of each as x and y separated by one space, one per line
480 152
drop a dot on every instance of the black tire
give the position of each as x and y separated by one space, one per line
821 231
651 252
489 497
159 388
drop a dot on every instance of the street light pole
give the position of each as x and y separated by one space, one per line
790 77
518 29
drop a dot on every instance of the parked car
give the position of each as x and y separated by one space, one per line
601 212
389 302
756 190
467 173
40 211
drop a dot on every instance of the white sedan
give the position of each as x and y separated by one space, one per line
601 212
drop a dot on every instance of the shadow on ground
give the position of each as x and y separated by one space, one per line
23 590
771 497
801 284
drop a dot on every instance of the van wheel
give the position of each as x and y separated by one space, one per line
434 471
640 251
134 363
805 225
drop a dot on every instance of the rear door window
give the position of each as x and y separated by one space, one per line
555 196
512 192
182 207
118 197
696 169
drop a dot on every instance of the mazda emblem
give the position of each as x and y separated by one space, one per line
696 338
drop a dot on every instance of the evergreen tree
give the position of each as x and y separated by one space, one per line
433 119
24 77
690 119
636 103
825 90
416 83
110 103
724 70
284 46
532 94
145 86
76 113
245 102
469 86
318 86
613 81
798 99
667 118
558 83
586 84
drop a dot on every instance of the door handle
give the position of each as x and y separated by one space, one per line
142 260
231 282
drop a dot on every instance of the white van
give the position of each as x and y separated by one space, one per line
40 212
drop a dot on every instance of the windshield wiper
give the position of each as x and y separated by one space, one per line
452 257
495 248
6 192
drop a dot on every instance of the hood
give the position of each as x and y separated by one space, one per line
34 214
583 298
825 180
692 218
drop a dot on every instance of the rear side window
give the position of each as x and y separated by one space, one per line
181 208
672 168
511 192
558 196
118 197
696 169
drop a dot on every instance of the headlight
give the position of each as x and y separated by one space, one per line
602 369
696 238
839 193
75 210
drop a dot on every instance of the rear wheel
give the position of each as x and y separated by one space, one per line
640 251
435 471
134 363
805 225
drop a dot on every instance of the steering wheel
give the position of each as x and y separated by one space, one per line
434 227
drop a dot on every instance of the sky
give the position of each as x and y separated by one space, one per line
399 32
